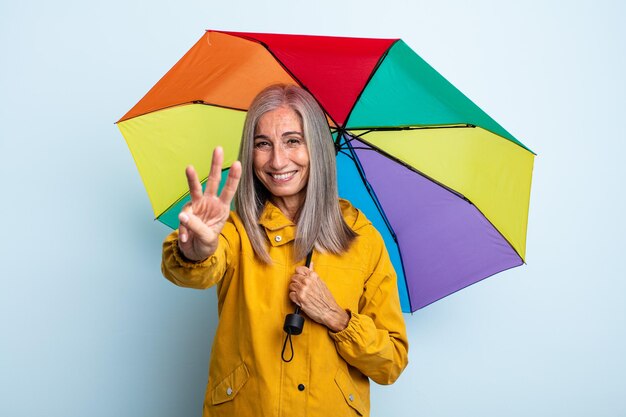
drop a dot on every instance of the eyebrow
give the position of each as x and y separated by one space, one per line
292 132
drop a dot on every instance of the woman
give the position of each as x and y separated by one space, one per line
285 207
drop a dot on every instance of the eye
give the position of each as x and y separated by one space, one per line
262 145
294 142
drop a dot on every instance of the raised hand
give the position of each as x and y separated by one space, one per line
202 219
308 291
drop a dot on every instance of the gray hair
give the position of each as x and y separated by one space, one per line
319 223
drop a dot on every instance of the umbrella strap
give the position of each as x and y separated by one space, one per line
282 354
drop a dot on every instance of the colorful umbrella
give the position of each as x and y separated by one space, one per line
447 186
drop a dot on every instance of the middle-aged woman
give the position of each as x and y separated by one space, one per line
286 206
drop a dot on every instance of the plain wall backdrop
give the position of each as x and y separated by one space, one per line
88 326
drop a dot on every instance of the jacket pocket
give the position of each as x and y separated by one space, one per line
228 387
350 394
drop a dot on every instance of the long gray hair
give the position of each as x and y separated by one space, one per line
319 223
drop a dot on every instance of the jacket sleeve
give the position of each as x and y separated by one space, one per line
375 340
200 275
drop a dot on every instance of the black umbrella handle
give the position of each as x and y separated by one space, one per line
294 323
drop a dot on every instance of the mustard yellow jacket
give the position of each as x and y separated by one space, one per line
329 374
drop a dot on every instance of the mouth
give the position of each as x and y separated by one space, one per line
286 176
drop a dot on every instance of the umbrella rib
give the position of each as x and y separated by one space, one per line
374 197
186 103
369 129
394 129
404 164
218 105
371 192
370 147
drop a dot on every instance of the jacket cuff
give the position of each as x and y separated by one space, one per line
351 331
187 263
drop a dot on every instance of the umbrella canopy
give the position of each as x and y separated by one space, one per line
446 185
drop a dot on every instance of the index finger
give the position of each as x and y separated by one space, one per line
195 188
303 270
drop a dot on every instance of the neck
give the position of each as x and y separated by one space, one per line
289 206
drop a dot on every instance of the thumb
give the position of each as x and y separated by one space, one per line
194 224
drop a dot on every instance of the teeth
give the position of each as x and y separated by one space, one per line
283 176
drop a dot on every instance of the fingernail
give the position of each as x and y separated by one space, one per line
183 238
183 217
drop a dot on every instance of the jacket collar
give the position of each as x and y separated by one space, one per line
272 218
279 229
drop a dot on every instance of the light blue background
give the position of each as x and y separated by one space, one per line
88 327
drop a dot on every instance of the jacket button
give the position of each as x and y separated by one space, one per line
229 391
278 238
351 397
301 387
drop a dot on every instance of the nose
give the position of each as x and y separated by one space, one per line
279 158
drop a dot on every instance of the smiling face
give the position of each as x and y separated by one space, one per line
281 158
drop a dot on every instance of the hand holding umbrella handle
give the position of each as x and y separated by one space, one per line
294 323
202 219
